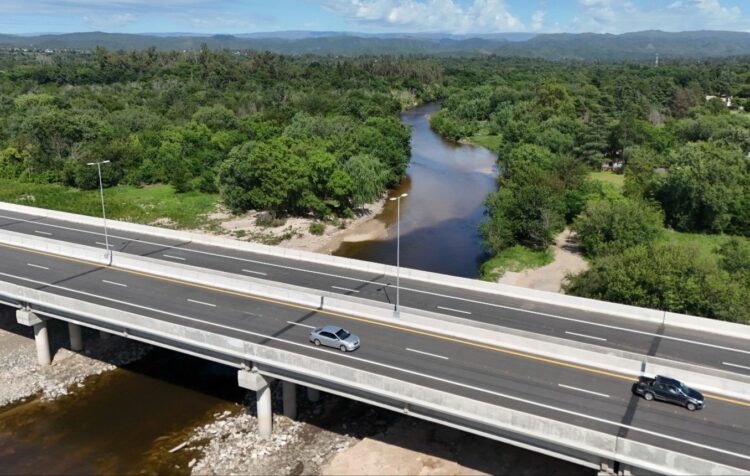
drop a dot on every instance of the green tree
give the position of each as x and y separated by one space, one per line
670 277
611 226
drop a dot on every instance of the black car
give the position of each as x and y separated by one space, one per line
669 390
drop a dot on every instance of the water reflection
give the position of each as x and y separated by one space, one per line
447 184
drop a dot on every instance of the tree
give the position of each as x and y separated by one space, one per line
611 226
704 187
670 277
369 177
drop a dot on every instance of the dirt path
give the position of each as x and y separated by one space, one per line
568 259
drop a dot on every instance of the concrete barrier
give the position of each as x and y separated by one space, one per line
628 363
549 430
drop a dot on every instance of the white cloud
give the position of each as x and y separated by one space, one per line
615 16
481 16
537 20
109 21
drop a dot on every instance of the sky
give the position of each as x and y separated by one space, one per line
371 16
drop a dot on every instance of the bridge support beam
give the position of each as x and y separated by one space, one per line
41 335
252 380
313 394
290 399
76 337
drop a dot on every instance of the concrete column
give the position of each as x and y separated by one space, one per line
290 399
103 335
313 394
76 339
253 380
41 337
265 412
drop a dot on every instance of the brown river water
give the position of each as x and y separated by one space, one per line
125 420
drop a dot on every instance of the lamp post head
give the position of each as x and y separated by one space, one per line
399 197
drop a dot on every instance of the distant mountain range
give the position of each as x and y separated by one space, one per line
642 45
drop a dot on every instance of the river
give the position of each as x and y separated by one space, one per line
122 421
447 184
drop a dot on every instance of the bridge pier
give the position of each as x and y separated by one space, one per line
27 317
313 394
252 380
76 337
290 399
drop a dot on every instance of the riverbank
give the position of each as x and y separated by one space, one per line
22 378
568 259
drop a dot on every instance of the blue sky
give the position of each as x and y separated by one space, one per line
451 16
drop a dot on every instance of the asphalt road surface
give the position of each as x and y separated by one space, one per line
575 394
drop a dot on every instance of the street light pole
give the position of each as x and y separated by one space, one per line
397 309
107 253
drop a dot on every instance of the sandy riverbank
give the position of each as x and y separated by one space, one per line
294 232
568 260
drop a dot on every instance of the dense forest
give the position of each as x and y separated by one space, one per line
667 227
685 158
289 135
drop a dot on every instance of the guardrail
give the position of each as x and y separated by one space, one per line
628 363
624 311
415 398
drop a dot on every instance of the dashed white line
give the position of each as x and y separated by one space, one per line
42 232
202 303
101 243
736 365
36 266
586 336
403 288
174 257
453 310
345 289
427 353
114 283
584 391
254 272
392 367
301 325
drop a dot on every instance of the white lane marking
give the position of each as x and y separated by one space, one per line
453 310
42 232
301 325
114 283
391 367
586 336
36 266
736 365
403 288
345 289
254 272
101 243
584 391
202 303
174 257
427 353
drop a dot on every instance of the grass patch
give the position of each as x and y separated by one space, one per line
515 259
138 205
487 141
705 244
611 183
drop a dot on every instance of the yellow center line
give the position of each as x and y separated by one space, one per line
362 319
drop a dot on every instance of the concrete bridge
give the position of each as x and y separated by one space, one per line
546 372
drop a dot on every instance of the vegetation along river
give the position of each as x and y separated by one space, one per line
124 421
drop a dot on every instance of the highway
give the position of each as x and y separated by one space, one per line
575 394
721 352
